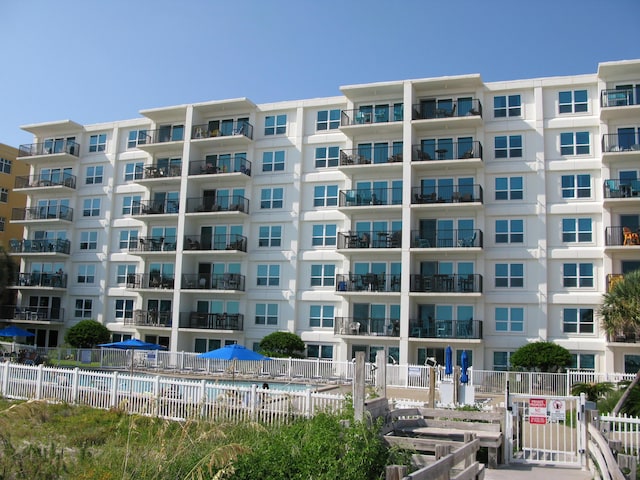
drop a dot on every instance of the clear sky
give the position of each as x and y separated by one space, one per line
98 61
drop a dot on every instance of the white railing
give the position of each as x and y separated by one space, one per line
624 429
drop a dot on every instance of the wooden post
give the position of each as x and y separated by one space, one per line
456 384
381 374
395 472
432 387
441 451
358 388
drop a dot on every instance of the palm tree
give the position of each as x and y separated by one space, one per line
620 310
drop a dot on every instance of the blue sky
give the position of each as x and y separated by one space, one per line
99 61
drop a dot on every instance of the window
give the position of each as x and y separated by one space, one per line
88 240
131 204
576 230
83 308
509 275
577 320
509 231
3 221
133 171
324 352
268 275
576 186
504 106
572 101
128 239
328 120
508 146
324 235
574 143
136 137
91 207
98 143
327 156
271 197
123 271
5 165
509 319
86 273
583 361
94 175
325 196
123 309
270 236
275 124
323 275
501 361
4 195
321 316
266 314
577 275
273 161
509 188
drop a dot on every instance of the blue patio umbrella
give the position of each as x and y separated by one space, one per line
448 360
13 331
233 352
464 360
133 344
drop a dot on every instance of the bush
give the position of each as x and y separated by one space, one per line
541 357
282 344
87 334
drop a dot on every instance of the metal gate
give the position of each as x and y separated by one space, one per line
545 429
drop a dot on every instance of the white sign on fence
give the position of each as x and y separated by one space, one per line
557 410
414 371
538 411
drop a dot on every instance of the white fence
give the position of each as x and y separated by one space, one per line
163 396
625 430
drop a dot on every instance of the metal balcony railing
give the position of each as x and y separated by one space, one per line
158 171
371 155
46 180
370 115
428 109
388 327
224 129
39 246
224 165
615 188
149 318
150 280
228 241
621 236
153 244
370 196
216 281
621 142
49 148
455 329
440 238
447 283
370 239
174 133
368 282
446 194
212 321
155 207
461 150
40 279
219 203
58 212
30 313
619 97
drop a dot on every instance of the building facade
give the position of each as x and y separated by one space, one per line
401 216
9 171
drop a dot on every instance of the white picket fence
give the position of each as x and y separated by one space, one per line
163 396
623 428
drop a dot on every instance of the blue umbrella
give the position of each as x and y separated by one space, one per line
133 344
448 360
13 331
464 360
233 352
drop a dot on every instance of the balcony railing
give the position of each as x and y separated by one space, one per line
219 203
150 280
447 283
463 150
614 188
456 329
439 238
225 129
228 241
155 207
619 98
58 212
162 135
370 239
29 313
377 114
39 246
368 282
46 180
149 318
388 327
226 165
216 281
40 279
612 279
368 156
49 148
153 244
454 108
446 194
158 171
212 321
370 196
621 236
621 142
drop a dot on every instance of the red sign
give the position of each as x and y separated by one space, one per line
538 411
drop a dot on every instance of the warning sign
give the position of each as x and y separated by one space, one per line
538 411
557 410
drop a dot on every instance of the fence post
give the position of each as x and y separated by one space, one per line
39 382
114 390
309 403
74 385
582 418
5 378
395 472
253 401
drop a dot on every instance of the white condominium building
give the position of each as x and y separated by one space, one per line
402 216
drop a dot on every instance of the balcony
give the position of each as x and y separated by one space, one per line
230 242
619 104
152 244
67 181
368 283
164 207
38 247
222 166
219 203
386 327
430 195
621 189
154 280
621 145
149 318
169 137
55 151
431 109
446 283
27 314
621 237
42 214
39 280
388 154
429 156
371 198
213 321
216 281
158 173
216 130
456 238
369 239
446 329
372 115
